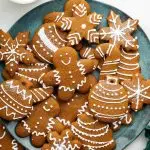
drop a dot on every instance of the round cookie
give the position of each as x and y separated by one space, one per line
69 73
16 100
65 141
46 41
138 91
31 73
13 51
6 141
39 122
92 133
128 65
108 101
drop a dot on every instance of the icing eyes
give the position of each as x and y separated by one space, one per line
66 54
60 55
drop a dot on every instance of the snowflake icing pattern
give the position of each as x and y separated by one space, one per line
13 51
118 33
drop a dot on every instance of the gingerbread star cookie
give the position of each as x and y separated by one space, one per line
46 41
128 65
69 74
71 8
119 33
16 100
65 141
81 27
13 51
108 101
92 133
138 91
6 141
39 121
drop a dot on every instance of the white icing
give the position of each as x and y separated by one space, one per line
66 63
43 37
66 88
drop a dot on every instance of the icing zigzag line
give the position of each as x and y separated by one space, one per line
63 121
50 124
83 108
18 91
81 68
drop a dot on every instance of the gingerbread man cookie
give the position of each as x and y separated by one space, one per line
31 73
70 110
128 65
118 33
6 141
109 58
92 133
69 73
108 101
16 100
39 121
138 91
71 8
81 27
13 51
65 141
46 42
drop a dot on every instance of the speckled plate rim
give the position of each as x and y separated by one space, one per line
12 31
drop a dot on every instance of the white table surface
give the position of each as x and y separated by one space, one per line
138 9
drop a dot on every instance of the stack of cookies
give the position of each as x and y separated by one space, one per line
50 87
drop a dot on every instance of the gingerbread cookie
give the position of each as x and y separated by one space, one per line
92 133
81 27
138 91
118 33
72 8
13 51
46 42
128 65
39 121
109 58
70 110
16 100
6 141
69 73
108 101
31 73
65 141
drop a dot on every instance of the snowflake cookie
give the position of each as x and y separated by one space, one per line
81 7
39 121
138 91
46 41
63 141
93 134
80 27
6 141
69 73
13 51
16 100
118 33
108 101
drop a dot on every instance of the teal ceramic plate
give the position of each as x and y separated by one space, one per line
32 20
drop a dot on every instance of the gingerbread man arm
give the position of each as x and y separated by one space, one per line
53 17
87 66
